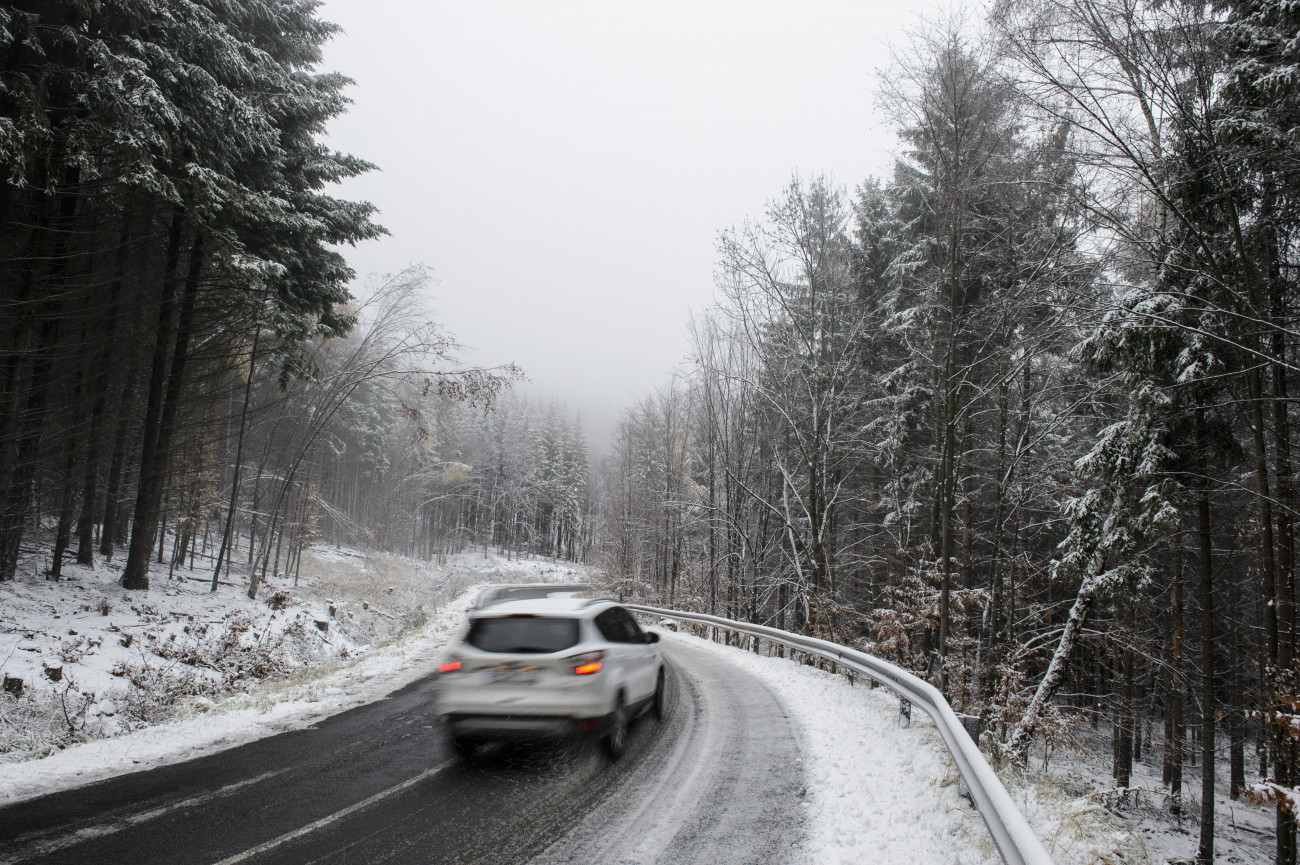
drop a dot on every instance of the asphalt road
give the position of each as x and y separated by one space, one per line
717 781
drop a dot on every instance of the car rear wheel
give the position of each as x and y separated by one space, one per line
616 738
657 704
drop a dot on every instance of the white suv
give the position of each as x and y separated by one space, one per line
550 667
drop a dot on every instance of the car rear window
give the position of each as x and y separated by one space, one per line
528 593
533 634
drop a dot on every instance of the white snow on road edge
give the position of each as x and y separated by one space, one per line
275 707
878 792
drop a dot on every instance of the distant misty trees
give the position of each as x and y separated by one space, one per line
406 470
1018 415
516 479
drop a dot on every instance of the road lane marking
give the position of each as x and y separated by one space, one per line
34 846
332 818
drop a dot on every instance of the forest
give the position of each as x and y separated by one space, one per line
185 367
1015 416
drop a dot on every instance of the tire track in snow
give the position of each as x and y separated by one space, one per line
723 785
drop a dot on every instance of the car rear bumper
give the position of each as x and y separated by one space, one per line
468 695
511 727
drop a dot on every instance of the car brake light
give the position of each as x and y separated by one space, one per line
449 667
585 665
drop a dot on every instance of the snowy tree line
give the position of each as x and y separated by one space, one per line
186 375
451 477
1018 415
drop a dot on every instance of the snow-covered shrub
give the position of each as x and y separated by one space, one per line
207 661
234 652
1058 725
828 619
1076 830
1285 719
72 651
903 612
156 689
43 720
414 619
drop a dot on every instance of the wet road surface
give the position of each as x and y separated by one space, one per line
717 781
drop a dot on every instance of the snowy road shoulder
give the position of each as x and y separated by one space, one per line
878 792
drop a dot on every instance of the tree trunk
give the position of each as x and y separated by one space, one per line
1236 727
26 421
1205 847
103 378
160 417
1124 717
1017 744
67 501
113 494
239 456
1177 701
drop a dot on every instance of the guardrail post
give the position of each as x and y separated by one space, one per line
904 712
973 725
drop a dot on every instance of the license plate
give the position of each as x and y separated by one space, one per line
513 675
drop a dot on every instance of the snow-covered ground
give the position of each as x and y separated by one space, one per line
1244 833
359 627
878 792
354 629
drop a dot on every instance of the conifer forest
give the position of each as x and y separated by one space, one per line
1014 416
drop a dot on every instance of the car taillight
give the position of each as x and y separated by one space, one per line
449 667
585 665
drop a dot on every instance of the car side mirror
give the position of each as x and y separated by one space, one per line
652 637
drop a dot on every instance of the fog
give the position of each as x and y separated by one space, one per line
565 167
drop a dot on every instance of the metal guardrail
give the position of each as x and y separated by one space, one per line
1012 835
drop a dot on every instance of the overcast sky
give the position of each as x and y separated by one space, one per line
565 167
